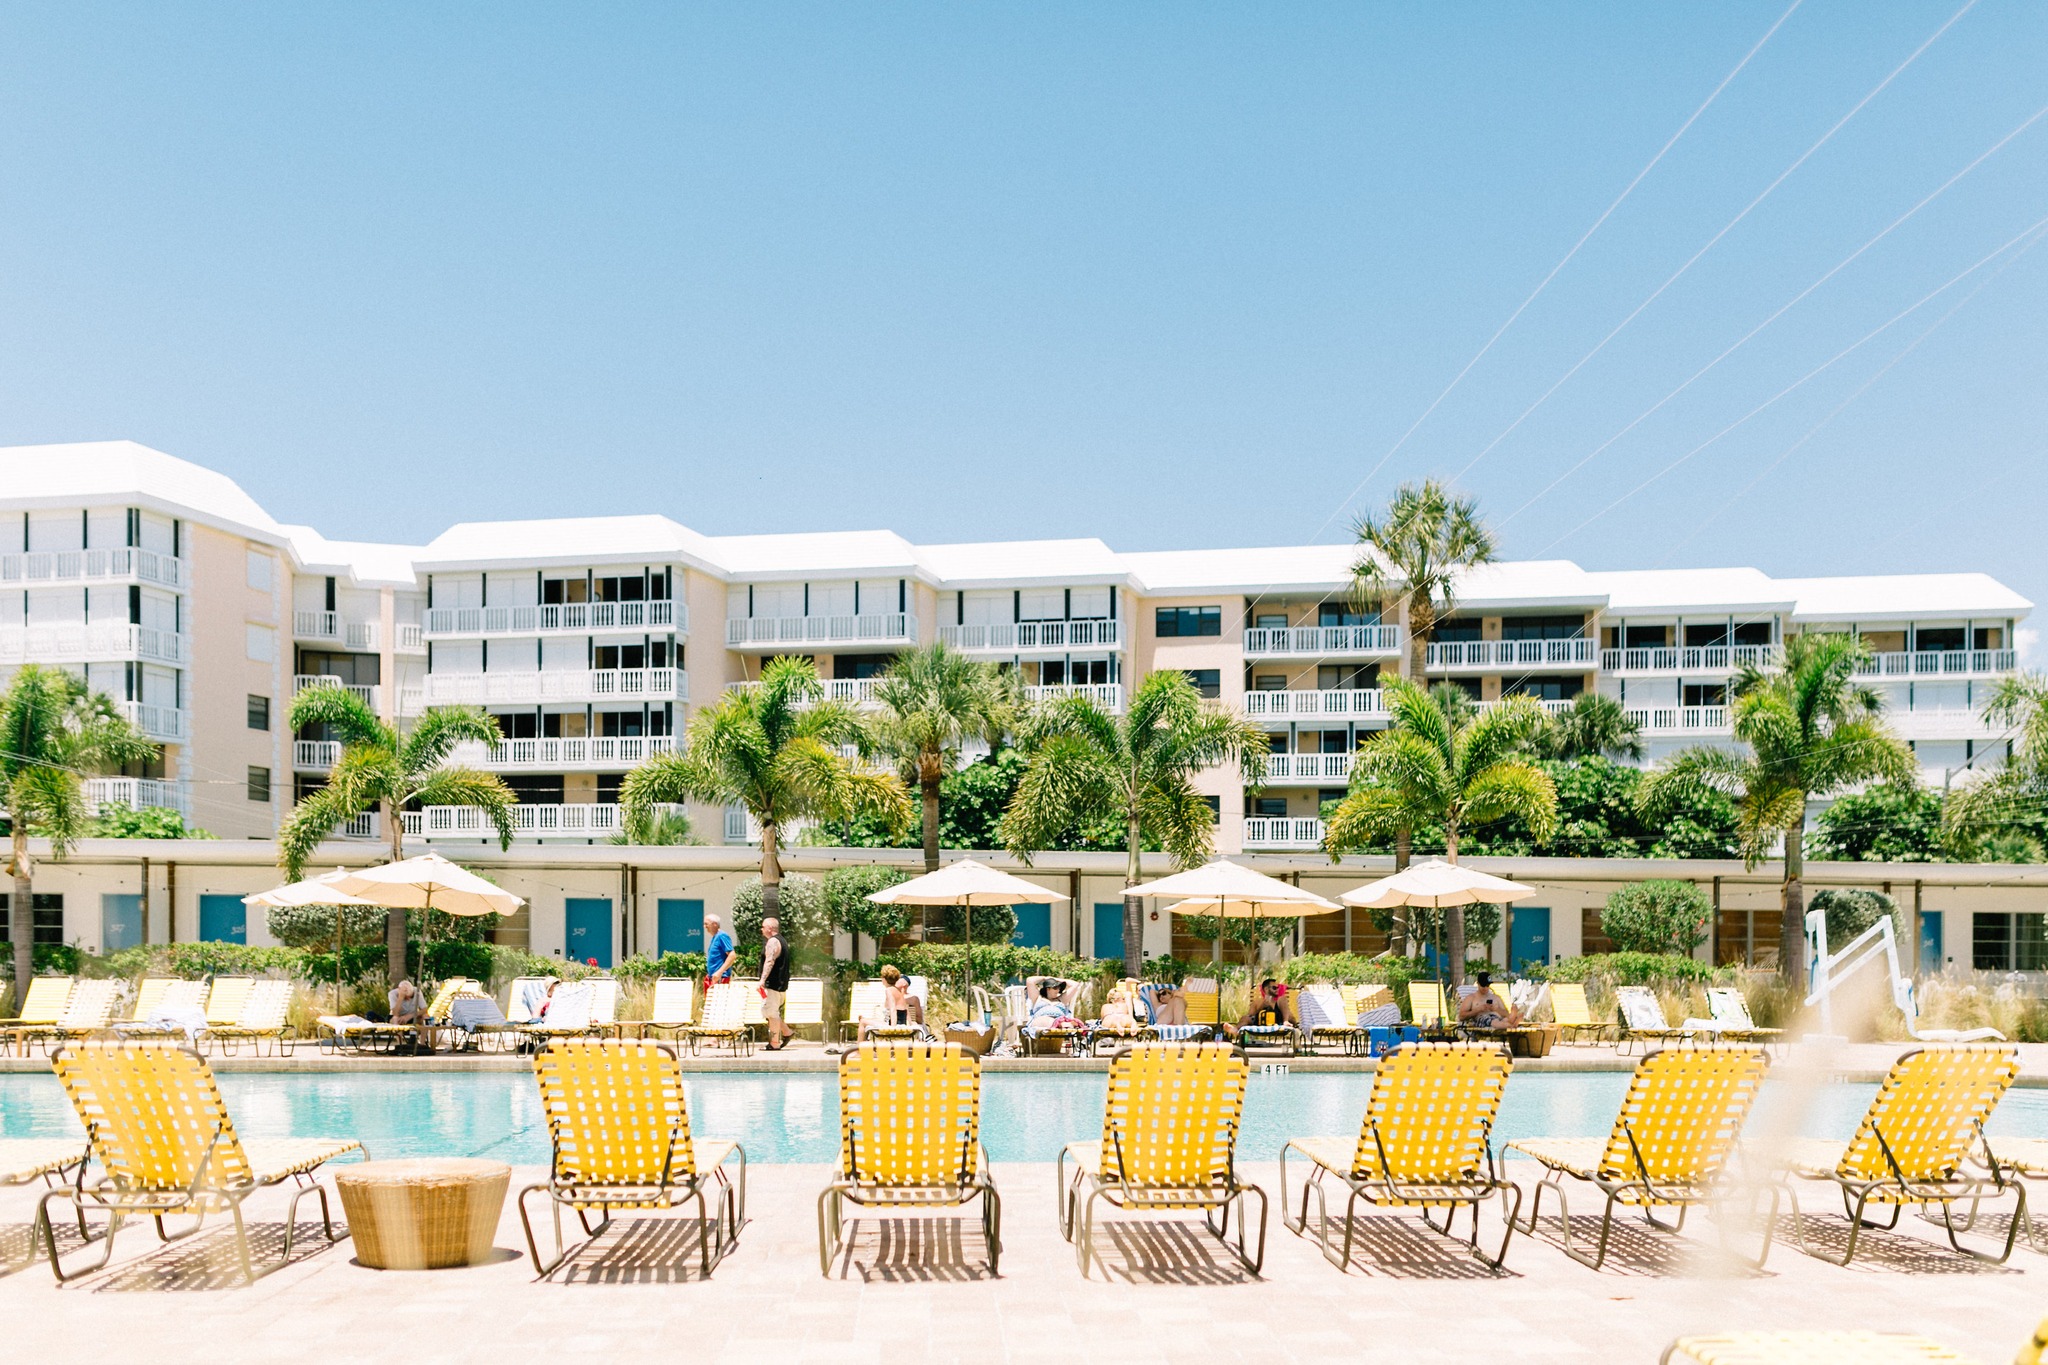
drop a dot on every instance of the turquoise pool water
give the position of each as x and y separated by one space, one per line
793 1117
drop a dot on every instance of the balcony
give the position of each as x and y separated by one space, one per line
1955 723
329 627
137 793
1691 659
851 691
315 755
1026 637
410 639
1680 720
593 685
1455 655
563 755
164 724
1262 831
1932 662
561 618
1108 696
82 643
92 566
1322 642
815 632
1312 769
368 693
1366 703
577 821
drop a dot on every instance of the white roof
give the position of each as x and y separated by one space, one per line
565 540
1002 563
1900 596
818 554
1680 590
1272 569
365 564
1528 583
127 474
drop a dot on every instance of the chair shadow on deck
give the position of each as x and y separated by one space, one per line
1635 1249
640 1251
1402 1249
1897 1251
1153 1251
206 1260
915 1250
20 1250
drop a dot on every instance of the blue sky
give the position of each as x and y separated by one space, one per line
1173 275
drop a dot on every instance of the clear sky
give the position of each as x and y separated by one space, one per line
1173 275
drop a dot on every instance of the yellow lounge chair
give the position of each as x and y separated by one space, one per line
1920 1142
1204 1002
675 1005
2025 1159
157 995
1731 1012
263 1016
910 1126
1425 1143
1426 1005
89 1010
619 1124
1572 1015
1670 1145
1169 1139
863 1002
1643 1020
44 1006
166 1146
724 1022
225 998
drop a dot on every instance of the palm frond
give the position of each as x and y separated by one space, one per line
312 820
482 791
1070 779
1513 789
341 711
437 732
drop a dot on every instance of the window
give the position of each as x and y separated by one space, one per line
262 644
1645 637
1269 807
1988 637
846 666
259 570
1215 804
1346 677
1270 621
1705 694
1703 637
1945 638
1457 630
259 712
1343 614
259 783
1270 682
1753 633
48 911
1546 689
1542 627
2001 942
1178 621
360 669
1207 681
622 589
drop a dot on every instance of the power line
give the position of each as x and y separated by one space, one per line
1555 270
1693 260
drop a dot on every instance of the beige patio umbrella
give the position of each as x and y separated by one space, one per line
966 884
320 890
429 882
1435 884
1230 890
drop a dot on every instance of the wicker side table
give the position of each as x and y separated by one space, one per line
423 1214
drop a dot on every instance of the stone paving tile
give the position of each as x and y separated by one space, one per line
767 1302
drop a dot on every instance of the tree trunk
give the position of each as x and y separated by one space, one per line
394 921
928 780
1403 851
1454 915
1134 906
1792 910
23 928
1421 625
771 879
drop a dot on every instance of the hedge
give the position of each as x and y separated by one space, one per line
1635 969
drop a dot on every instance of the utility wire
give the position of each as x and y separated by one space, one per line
1557 269
1693 260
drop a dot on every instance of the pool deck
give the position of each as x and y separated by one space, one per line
1850 1061
918 1290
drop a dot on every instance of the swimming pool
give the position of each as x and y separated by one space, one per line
793 1117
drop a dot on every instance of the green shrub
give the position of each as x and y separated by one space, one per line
644 970
847 905
992 923
314 926
151 822
1245 933
994 963
1634 969
1426 923
1658 916
804 922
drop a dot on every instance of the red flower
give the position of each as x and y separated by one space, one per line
591 960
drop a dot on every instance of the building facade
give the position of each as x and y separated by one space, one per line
591 638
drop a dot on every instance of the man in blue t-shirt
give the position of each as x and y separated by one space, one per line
718 955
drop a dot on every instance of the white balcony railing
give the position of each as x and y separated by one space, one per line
1579 652
1268 831
87 643
315 755
1274 642
165 724
1552 705
769 632
741 828
1364 703
558 755
1952 723
592 685
410 639
137 793
369 693
1922 663
1108 696
1690 658
1317 768
332 626
559 617
1022 637
1680 720
529 821
58 566
852 691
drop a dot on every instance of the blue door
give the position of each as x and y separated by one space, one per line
120 922
1109 930
1930 940
1034 926
223 919
679 926
1528 936
588 930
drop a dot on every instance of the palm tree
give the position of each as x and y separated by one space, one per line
54 731
1411 556
1084 765
385 771
1445 762
775 749
1593 726
933 700
1982 818
1811 730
